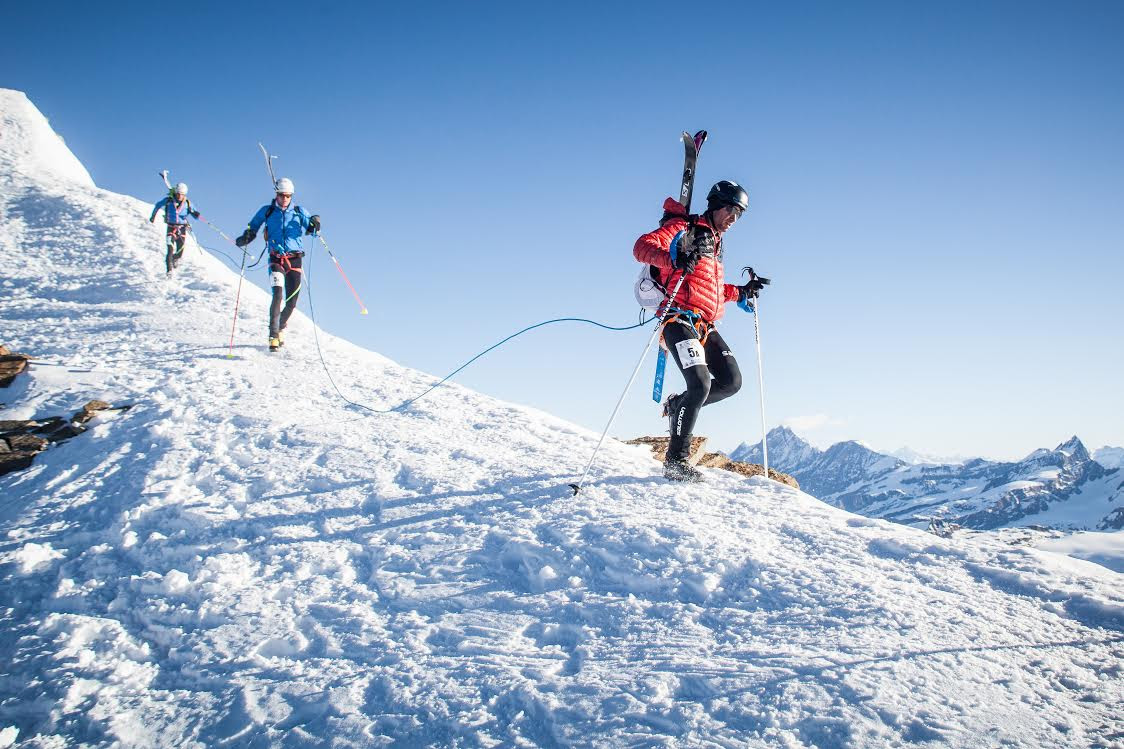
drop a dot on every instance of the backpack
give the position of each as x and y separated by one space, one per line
269 212
649 289
172 200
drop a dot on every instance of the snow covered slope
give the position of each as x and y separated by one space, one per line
243 559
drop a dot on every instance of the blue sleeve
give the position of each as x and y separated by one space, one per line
673 249
258 219
306 218
156 209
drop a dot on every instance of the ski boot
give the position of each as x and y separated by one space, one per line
669 404
675 464
681 470
274 343
281 337
671 410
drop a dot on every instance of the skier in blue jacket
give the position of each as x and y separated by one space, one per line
284 226
176 210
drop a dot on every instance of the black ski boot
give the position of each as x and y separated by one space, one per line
671 411
670 403
681 470
675 465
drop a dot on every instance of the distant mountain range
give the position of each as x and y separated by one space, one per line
1110 457
911 456
1061 488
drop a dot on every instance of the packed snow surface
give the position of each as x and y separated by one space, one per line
244 559
1101 548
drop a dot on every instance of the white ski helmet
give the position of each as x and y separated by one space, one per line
285 185
181 188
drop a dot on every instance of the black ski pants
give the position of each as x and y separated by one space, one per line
711 373
285 282
176 239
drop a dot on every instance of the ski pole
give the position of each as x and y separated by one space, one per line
362 307
237 297
655 334
222 234
760 382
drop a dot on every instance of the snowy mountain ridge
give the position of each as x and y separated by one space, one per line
1109 457
909 455
1062 488
244 559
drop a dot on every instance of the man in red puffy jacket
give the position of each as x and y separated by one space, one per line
691 246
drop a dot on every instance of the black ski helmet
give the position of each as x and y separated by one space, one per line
727 193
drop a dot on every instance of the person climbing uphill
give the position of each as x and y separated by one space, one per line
691 246
176 209
284 226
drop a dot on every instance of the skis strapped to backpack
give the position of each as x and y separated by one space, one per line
269 165
691 148
172 192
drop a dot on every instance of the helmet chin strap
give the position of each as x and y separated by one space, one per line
708 214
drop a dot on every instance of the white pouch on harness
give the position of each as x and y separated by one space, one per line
277 279
649 294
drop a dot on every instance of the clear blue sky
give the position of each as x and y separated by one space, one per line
937 191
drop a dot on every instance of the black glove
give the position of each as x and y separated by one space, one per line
692 245
195 214
313 224
700 241
685 260
750 288
245 239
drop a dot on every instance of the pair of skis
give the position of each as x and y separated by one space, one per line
691 148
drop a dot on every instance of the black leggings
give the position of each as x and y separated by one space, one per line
286 284
716 380
177 236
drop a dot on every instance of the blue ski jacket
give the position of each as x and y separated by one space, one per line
174 213
283 228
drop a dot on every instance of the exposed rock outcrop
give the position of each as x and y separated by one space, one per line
700 457
11 365
22 439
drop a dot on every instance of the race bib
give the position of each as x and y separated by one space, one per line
277 279
691 353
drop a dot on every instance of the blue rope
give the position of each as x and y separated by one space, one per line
216 251
402 406
447 377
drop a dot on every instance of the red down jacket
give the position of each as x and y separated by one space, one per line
705 290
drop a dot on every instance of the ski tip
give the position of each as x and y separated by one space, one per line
575 488
363 311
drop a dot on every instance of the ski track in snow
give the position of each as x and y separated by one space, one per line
243 559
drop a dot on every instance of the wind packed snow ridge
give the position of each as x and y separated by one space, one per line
244 560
